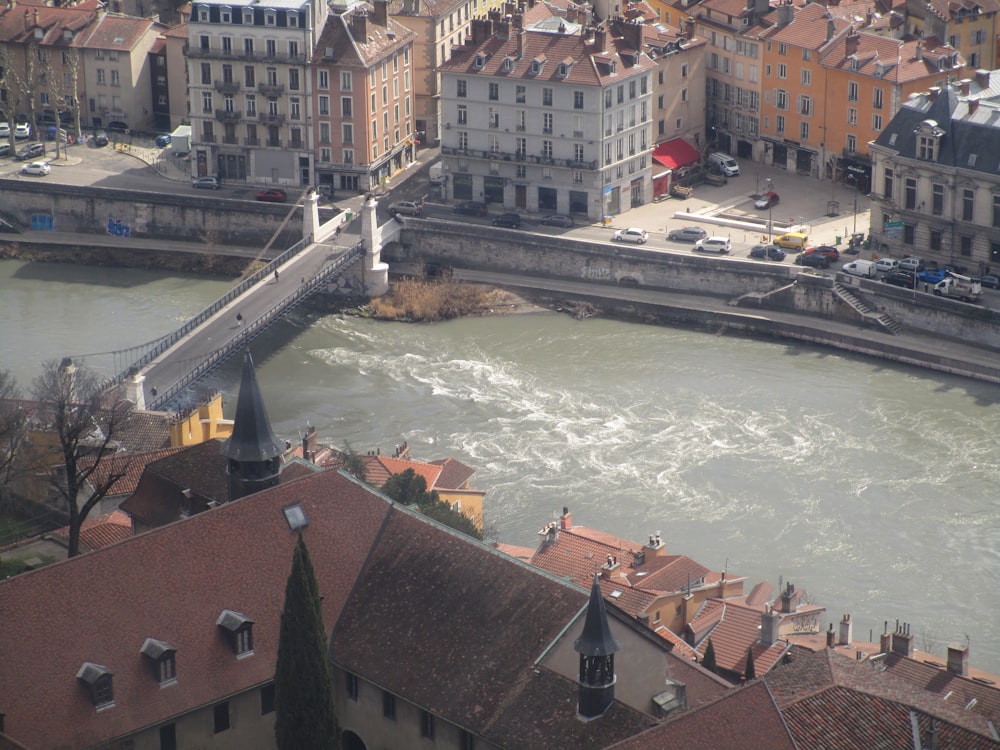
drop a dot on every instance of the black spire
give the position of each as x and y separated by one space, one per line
597 648
253 450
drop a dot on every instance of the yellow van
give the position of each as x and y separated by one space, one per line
794 241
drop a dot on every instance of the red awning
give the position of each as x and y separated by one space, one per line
676 153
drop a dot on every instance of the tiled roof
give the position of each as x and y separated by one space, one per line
341 37
18 21
117 32
735 631
100 532
129 467
236 556
812 27
454 474
977 696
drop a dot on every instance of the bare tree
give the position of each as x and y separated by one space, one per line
13 426
64 87
87 432
20 77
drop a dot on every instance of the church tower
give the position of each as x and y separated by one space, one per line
596 647
253 450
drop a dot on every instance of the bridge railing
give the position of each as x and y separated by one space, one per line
161 345
254 328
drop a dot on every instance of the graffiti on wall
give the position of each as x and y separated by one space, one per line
118 228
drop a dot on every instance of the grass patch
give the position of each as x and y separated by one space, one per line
441 299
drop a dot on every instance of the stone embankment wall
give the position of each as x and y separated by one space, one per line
743 283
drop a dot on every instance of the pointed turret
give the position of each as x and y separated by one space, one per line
253 450
596 646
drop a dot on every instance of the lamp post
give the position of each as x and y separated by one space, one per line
853 180
770 208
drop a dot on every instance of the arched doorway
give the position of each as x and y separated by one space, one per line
350 741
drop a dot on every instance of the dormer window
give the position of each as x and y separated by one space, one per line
238 629
225 15
248 16
563 70
508 64
479 62
203 13
97 680
536 66
162 658
270 18
854 63
292 18
39 32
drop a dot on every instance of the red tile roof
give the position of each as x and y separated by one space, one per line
127 466
102 531
733 630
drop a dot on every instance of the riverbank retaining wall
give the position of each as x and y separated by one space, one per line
745 283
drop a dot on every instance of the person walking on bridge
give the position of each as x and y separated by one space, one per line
239 319
275 275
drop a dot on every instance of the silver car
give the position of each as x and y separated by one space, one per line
632 234
687 234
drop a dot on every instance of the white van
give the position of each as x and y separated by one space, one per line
724 163
884 265
864 268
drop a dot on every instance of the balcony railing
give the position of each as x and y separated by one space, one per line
230 140
241 56
227 87
228 115
273 143
271 89
271 118
252 141
520 156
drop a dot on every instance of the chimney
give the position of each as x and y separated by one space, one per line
902 641
918 51
549 533
638 558
830 637
846 631
611 569
381 12
359 26
760 8
973 106
831 29
656 545
689 28
633 34
958 659
983 78
309 443
787 597
566 519
935 90
520 44
34 15
786 14
27 21
851 43
599 39
770 622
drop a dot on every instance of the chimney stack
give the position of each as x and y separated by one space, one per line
566 519
27 21
935 90
983 78
689 28
902 641
846 631
918 51
973 106
520 43
964 86
958 659
381 12
770 622
830 637
656 545
787 597
831 29
851 43
309 443
599 39
359 25
786 14
885 640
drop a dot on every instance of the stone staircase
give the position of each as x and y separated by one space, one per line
10 223
870 317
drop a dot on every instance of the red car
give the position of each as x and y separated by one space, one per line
826 250
272 195
767 200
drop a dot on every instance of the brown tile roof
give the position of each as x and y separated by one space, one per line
736 631
18 21
979 696
171 584
454 474
102 531
810 28
117 32
340 35
129 467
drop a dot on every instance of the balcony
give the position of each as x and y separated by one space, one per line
230 140
273 143
228 115
227 87
520 156
271 89
299 144
243 56
272 118
578 134
252 141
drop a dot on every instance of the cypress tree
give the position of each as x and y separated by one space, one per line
303 682
749 670
708 660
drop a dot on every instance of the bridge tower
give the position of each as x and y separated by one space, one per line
253 450
376 272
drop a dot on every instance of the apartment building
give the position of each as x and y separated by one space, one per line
175 41
936 175
362 82
969 27
249 86
554 117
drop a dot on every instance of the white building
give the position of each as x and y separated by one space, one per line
552 118
250 88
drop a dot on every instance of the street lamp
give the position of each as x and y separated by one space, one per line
770 208
853 180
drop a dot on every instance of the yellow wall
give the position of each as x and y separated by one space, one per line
469 503
203 423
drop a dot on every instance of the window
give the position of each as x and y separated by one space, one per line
100 76
292 19
389 705
324 134
877 99
889 184
781 99
852 91
461 89
805 106
547 97
935 239
251 103
220 717
547 123
782 70
926 147
578 152
345 80
908 233
965 246
250 76
782 49
270 48
98 681
324 105
346 106
577 100
806 77
547 149
168 737
852 116
347 130
206 73
351 685
520 94
852 143
206 101
293 79
779 124
238 628
270 18
426 725
267 699
804 131
968 202
463 140
910 193
463 114
937 200
494 92
227 45
248 46
996 210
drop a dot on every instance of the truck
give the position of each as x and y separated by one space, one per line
863 268
958 287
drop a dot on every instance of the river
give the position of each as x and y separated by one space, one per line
873 487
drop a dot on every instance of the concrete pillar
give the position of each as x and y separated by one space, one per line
376 273
310 214
134 390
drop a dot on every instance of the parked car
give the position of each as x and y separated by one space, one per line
906 279
37 168
828 250
813 260
208 183
272 195
4 148
911 263
31 151
163 140
767 252
720 245
407 208
558 220
4 130
509 220
932 275
471 208
687 234
632 234
100 139
884 265
767 200
794 241
989 281
22 130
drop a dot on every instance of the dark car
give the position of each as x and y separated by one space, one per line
272 195
813 260
829 251
471 208
163 141
30 152
989 281
511 221
557 220
100 138
770 252
905 279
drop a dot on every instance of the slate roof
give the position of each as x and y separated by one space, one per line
252 438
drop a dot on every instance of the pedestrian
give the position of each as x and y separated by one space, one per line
239 319
276 274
